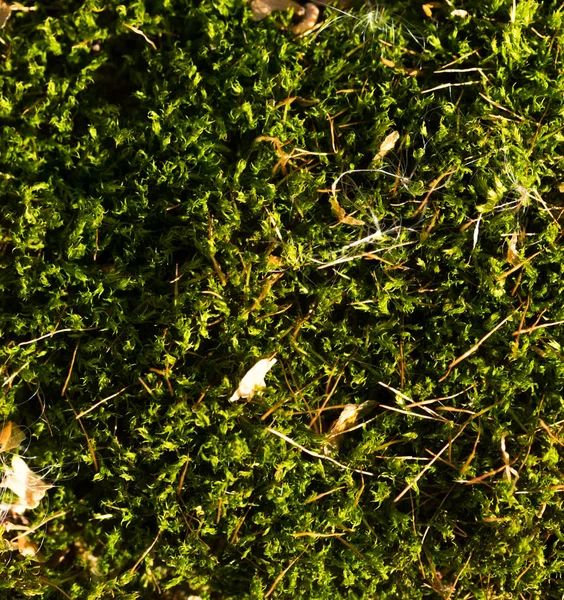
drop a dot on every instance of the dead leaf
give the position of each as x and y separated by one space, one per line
341 214
262 8
5 13
11 436
387 145
429 6
512 256
253 381
26 547
407 70
25 484
309 20
347 419
460 13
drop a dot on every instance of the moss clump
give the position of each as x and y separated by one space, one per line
168 219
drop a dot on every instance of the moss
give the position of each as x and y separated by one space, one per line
166 222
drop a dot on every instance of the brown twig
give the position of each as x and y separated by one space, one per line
478 344
315 454
281 575
134 567
70 369
85 412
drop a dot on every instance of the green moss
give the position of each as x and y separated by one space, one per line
166 217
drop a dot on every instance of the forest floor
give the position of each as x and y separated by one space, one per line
376 202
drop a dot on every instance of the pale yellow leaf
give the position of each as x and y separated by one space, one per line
512 256
262 8
347 419
429 6
309 20
25 484
253 381
387 145
11 436
341 214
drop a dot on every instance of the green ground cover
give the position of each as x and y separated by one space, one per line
185 191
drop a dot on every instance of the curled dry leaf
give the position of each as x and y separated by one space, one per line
347 419
512 253
309 20
25 546
253 380
341 214
387 145
429 6
26 485
5 13
11 436
262 8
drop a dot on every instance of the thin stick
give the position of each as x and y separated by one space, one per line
428 466
502 107
550 434
329 395
432 188
48 335
448 85
134 567
407 412
453 587
182 476
349 545
459 59
277 580
70 369
315 498
478 344
315 454
521 323
8 380
45 580
517 267
400 394
367 255
90 446
85 412
355 427
62 513
421 473
317 535
535 327
433 400
139 32
480 478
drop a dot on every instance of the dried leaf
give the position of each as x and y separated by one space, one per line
341 214
429 6
262 8
26 485
460 13
512 254
407 70
26 547
253 380
347 419
387 145
11 436
308 21
5 13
